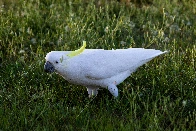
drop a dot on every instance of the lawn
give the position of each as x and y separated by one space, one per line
161 95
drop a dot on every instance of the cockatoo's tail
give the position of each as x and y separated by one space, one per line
95 68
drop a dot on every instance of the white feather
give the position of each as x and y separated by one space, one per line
96 68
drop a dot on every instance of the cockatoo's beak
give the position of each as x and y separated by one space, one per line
48 67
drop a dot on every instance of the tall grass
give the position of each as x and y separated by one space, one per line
160 96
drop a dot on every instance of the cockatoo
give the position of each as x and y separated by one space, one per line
98 68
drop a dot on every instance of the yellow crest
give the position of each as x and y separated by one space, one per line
77 52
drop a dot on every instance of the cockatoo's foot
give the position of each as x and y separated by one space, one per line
113 90
92 92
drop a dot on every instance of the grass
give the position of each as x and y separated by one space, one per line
161 95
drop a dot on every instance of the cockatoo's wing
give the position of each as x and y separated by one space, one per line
101 64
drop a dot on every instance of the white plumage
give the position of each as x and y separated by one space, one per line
95 68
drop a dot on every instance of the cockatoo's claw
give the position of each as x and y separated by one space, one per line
113 90
92 92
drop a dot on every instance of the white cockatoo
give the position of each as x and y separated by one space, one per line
98 68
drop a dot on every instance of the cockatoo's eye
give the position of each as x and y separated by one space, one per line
56 62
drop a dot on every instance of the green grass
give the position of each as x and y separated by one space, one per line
161 95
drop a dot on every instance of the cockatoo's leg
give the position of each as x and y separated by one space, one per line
113 90
92 91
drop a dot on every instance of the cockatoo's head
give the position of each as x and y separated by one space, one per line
57 59
54 60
